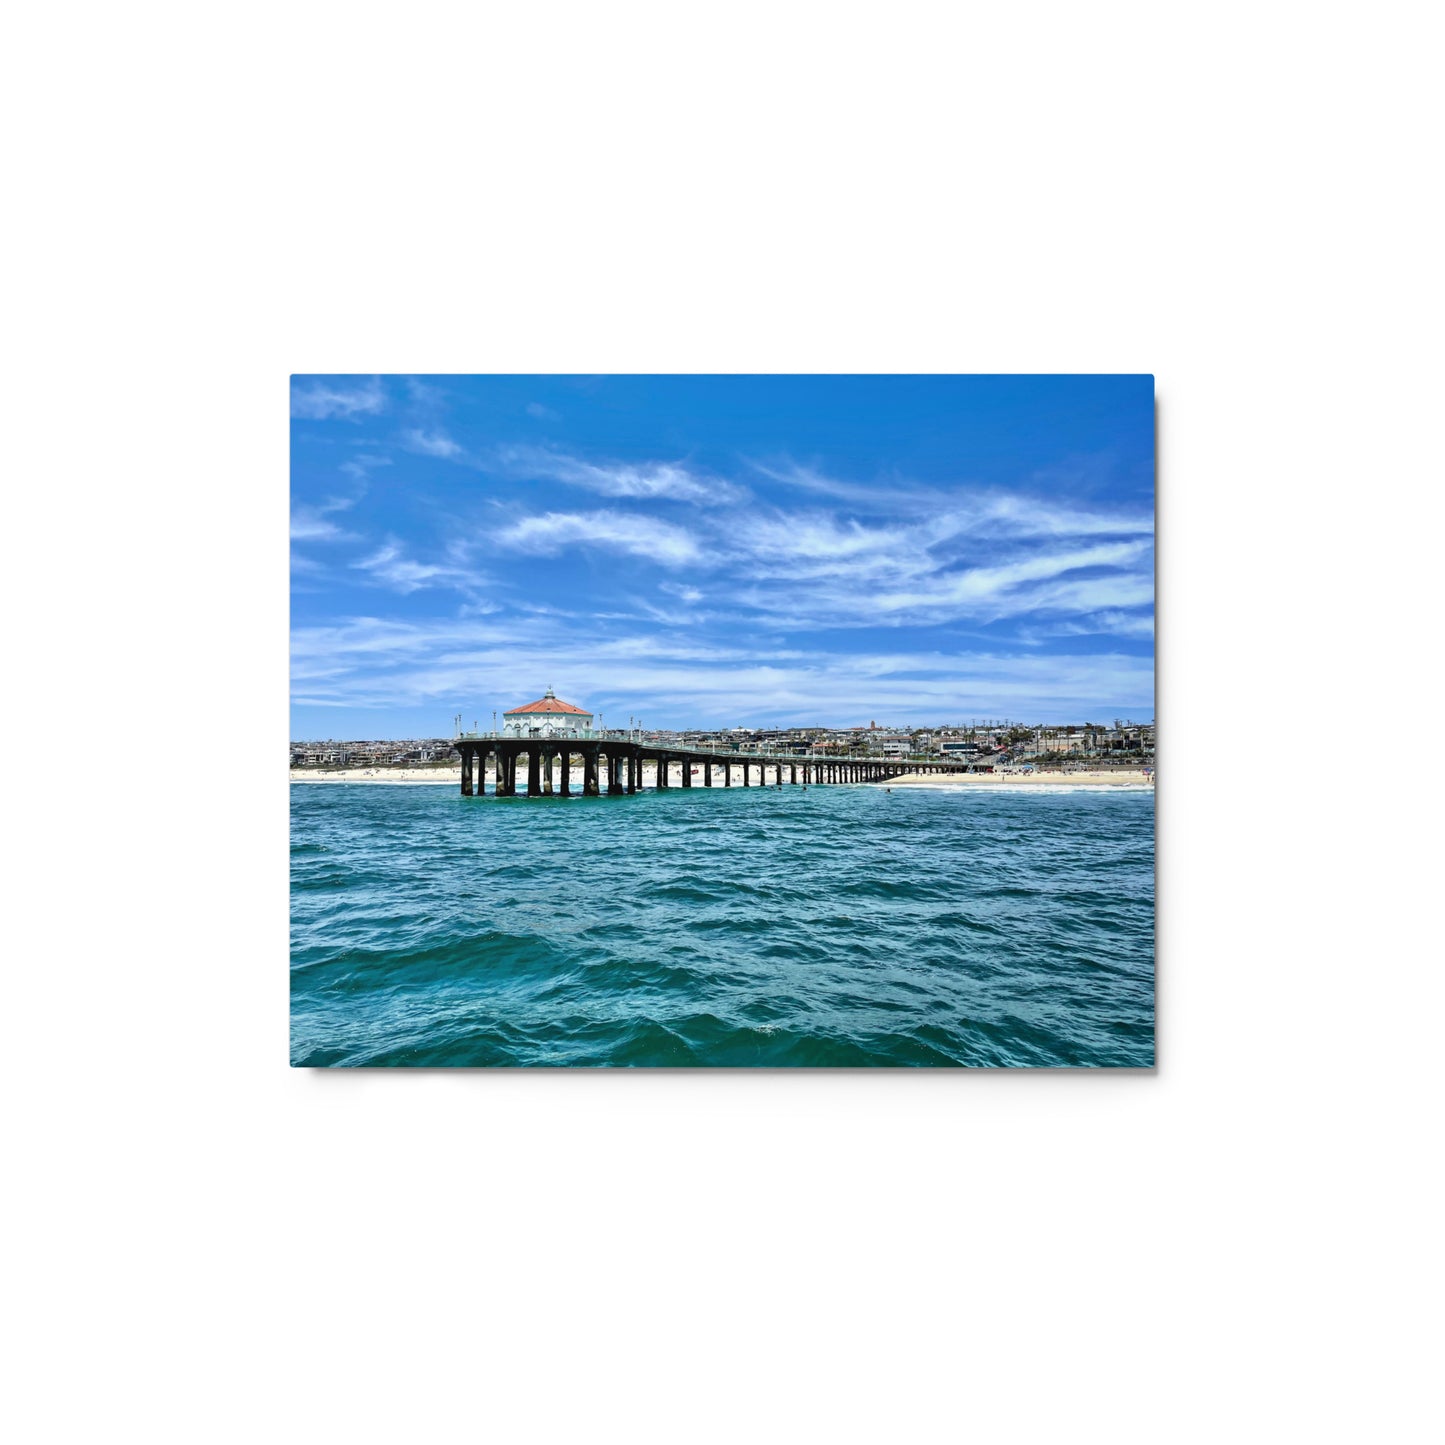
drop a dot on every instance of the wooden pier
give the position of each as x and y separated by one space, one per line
540 768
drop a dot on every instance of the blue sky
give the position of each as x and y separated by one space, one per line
720 551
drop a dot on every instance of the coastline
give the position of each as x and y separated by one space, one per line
1080 778
452 778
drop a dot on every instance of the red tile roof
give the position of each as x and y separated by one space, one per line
547 704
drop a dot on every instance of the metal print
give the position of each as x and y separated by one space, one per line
742 721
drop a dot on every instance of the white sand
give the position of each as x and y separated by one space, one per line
1081 778
452 777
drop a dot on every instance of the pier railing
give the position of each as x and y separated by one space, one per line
698 750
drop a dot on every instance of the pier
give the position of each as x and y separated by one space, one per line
541 767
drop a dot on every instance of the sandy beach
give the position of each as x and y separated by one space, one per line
1074 778
452 778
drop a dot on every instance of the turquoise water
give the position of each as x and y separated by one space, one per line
833 926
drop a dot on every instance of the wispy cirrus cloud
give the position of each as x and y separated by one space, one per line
990 586
986 558
1111 623
314 524
798 545
425 396
894 590
432 443
333 401
979 511
629 532
1013 514
380 663
648 481
390 566
844 589
360 467
881 495
307 525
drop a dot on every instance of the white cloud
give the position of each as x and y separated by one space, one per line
540 412
669 481
801 545
1007 514
1112 591
312 523
1111 623
821 569
390 567
976 511
359 468
325 401
992 586
307 526
434 443
1123 624
880 496
673 679
425 397
640 536
985 528
871 557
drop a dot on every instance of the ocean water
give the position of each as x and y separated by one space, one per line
839 925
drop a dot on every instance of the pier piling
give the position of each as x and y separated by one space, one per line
548 764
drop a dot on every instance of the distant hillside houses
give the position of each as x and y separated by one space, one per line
376 754
981 745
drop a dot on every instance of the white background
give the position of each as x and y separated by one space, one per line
207 1245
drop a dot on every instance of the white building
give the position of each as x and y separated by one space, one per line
891 745
548 717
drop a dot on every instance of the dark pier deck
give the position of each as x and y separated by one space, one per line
615 766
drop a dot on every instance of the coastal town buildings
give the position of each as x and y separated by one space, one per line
985 745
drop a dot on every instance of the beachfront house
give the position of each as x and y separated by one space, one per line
548 717
891 745
963 750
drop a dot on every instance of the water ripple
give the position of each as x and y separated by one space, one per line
838 926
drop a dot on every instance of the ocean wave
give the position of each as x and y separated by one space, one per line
841 927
